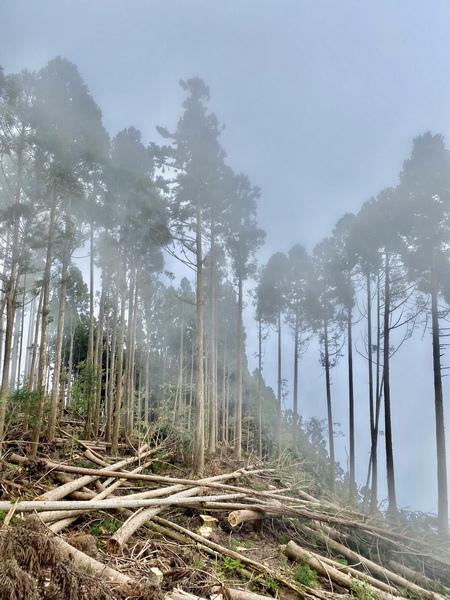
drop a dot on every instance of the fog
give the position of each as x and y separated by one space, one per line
320 103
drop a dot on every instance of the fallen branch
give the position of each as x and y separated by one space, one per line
96 473
324 568
38 506
304 591
65 518
64 490
372 566
122 535
333 574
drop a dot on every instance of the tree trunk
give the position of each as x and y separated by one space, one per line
199 441
212 383
373 432
351 406
239 361
10 297
279 390
98 366
119 369
51 426
329 408
387 390
260 402
40 383
296 359
112 371
439 408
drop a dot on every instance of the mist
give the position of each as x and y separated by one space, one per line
311 113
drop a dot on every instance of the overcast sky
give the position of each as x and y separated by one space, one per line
321 100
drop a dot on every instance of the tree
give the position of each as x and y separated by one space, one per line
271 304
18 155
330 322
73 141
244 238
197 157
138 226
298 314
425 190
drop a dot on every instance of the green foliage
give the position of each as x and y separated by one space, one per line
23 401
305 575
89 377
14 522
229 565
361 590
270 584
233 544
105 527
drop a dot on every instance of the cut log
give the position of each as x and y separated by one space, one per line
335 576
240 516
64 519
41 506
122 535
137 520
303 591
96 473
235 594
377 569
91 565
68 488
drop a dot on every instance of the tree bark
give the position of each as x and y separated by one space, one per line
439 409
387 389
239 361
199 440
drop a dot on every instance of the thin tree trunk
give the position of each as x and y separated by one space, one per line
147 385
40 383
22 332
296 358
98 370
51 426
112 371
199 441
260 403
35 349
10 297
239 361
351 405
373 431
392 501
329 408
439 409
119 371
279 390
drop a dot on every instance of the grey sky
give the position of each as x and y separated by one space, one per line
321 99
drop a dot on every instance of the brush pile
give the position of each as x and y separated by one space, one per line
84 527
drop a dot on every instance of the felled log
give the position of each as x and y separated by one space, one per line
334 575
137 520
240 516
41 506
373 567
65 518
89 564
235 594
76 484
419 578
123 534
264 569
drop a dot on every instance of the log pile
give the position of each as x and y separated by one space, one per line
302 546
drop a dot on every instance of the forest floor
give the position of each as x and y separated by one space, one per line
78 524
